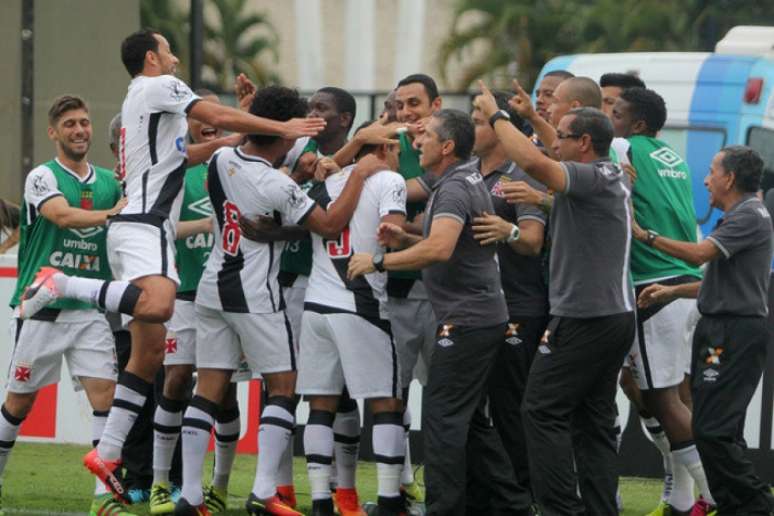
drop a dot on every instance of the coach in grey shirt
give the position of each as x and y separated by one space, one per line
729 344
463 284
572 381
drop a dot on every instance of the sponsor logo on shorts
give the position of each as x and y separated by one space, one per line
445 343
710 375
512 334
22 372
170 345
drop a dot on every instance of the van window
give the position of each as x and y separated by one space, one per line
762 140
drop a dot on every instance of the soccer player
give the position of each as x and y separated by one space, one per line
239 305
659 358
569 402
730 341
613 84
193 246
66 203
140 239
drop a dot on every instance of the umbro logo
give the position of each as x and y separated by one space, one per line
545 350
667 157
203 206
710 375
445 343
87 232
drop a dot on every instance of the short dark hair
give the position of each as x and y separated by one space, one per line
457 126
502 98
646 105
368 147
276 103
595 123
620 80
134 48
344 101
746 164
63 104
564 74
425 80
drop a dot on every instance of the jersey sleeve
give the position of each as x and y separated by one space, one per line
288 199
452 201
40 186
587 179
392 194
738 231
427 181
526 211
171 95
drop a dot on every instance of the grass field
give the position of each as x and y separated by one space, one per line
49 479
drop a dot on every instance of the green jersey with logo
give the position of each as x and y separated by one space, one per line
74 251
408 167
193 250
297 256
663 202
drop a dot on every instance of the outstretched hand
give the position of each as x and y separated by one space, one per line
485 102
521 102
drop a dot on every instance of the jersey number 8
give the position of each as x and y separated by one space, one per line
231 232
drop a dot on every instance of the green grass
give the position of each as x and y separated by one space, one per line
48 478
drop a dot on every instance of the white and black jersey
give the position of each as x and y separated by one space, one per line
152 149
329 290
241 275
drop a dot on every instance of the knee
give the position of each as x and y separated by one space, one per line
177 382
19 405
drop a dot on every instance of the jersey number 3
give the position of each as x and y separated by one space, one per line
231 232
341 247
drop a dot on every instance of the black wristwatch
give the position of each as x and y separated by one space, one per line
499 115
651 237
378 262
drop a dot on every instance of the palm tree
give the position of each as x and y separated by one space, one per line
240 43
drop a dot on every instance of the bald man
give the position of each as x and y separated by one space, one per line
573 93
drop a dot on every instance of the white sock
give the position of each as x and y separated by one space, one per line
98 420
9 431
346 446
661 442
113 296
681 497
285 470
407 475
389 441
227 426
277 422
167 421
688 456
128 401
318 447
618 433
197 425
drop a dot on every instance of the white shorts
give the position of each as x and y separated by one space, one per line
414 327
180 344
137 249
345 349
661 353
86 345
225 339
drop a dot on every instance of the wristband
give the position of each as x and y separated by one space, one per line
651 237
515 234
499 115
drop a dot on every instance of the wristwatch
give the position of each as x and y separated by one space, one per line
651 237
502 114
378 262
515 234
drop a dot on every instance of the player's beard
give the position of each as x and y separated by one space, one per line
72 154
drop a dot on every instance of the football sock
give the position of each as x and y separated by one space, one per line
227 426
197 425
277 422
687 455
346 445
407 475
318 447
9 431
98 420
167 421
128 400
389 441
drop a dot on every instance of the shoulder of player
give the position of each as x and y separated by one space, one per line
103 173
751 209
41 170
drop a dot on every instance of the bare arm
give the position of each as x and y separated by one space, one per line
489 229
415 192
238 121
12 240
656 293
265 229
65 216
186 228
692 253
201 152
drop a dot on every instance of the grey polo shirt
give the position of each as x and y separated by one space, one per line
590 230
737 282
465 290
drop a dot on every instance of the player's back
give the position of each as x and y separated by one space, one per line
383 193
153 144
241 275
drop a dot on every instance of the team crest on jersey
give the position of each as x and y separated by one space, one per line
474 178
203 207
295 195
87 232
512 334
22 372
497 188
666 157
176 91
39 185
713 356
170 345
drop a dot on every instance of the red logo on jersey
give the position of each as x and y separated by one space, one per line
170 345
87 200
22 373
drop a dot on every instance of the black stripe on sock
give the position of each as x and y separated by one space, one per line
171 405
277 421
655 429
127 405
227 415
204 405
226 438
166 429
319 459
7 445
134 382
15 421
94 443
388 418
320 417
129 299
197 423
282 401
681 446
389 460
100 413
346 439
102 293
